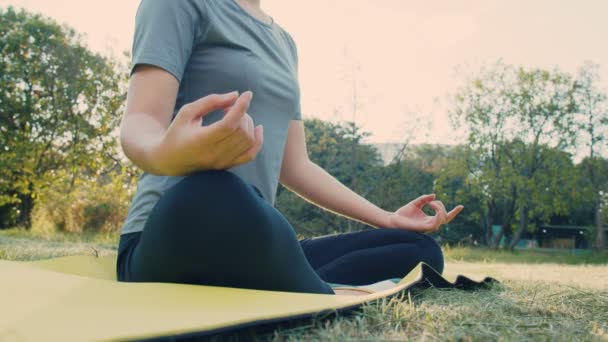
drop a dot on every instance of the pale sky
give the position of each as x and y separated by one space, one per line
402 54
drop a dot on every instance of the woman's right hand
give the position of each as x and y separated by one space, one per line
186 146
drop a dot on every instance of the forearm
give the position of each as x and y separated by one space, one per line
139 134
316 185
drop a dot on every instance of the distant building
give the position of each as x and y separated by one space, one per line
388 151
569 237
554 237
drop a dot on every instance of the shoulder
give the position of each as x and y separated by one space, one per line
287 35
289 40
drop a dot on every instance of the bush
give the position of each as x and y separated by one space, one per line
85 204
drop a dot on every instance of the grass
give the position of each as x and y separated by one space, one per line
21 244
542 297
510 312
537 256
56 236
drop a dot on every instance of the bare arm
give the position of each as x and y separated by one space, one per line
310 181
150 102
160 146
301 175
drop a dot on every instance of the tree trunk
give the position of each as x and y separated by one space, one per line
523 225
6 221
24 219
600 243
506 222
488 223
501 233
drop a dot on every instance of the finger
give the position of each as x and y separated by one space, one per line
442 206
251 154
439 211
232 119
226 139
245 131
237 137
250 127
205 105
444 212
454 212
431 224
229 153
423 200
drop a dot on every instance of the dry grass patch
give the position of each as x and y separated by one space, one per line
513 311
537 302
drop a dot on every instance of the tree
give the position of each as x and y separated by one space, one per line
407 177
458 183
593 109
58 109
517 118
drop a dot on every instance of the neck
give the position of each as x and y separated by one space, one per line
254 7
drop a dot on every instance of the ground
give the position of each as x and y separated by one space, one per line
544 297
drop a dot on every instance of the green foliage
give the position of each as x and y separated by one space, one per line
59 105
89 205
58 109
593 120
457 184
521 122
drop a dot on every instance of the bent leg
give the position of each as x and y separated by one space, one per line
212 228
370 256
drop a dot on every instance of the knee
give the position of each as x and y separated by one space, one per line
431 252
207 192
212 181
209 200
427 249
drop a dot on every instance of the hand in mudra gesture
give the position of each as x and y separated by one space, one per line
187 146
411 217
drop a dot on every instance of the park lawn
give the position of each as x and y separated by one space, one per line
536 300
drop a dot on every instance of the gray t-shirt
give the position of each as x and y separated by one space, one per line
215 46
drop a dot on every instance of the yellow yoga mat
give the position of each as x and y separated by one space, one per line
77 298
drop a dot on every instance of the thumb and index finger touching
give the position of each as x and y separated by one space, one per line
423 200
233 105
439 208
236 112
205 105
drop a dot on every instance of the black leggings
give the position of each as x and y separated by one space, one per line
212 228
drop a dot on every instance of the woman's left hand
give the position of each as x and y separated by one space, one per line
411 217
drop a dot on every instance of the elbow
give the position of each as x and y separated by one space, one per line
130 146
122 138
292 170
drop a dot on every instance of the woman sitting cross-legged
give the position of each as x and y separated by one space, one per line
213 120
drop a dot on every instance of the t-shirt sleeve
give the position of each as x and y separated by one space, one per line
166 32
294 52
